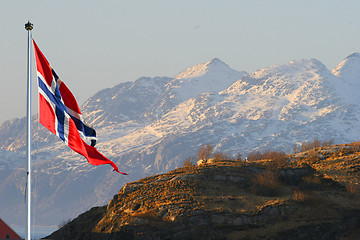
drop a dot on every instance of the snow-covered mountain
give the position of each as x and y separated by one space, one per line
349 70
152 125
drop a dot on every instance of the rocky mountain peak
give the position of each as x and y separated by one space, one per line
349 69
290 68
216 62
214 65
354 55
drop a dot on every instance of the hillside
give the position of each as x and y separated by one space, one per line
308 195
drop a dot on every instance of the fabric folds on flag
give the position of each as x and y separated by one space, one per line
60 113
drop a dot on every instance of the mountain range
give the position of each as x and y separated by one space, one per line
151 125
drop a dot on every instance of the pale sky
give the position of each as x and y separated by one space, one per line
96 44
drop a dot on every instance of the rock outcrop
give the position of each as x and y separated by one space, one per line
228 199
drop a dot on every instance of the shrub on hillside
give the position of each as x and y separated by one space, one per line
274 155
205 152
278 158
328 143
353 188
189 162
267 183
306 197
254 156
239 157
220 156
301 196
355 146
311 182
306 146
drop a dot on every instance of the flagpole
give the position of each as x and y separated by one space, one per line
28 27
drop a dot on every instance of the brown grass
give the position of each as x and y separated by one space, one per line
306 197
271 155
301 196
147 214
311 158
353 188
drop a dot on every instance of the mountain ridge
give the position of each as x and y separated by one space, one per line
198 70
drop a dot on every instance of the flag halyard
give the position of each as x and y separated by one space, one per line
60 113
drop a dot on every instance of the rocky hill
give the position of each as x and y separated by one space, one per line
309 195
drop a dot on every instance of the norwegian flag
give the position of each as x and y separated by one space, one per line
60 113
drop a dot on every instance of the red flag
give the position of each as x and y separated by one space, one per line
60 113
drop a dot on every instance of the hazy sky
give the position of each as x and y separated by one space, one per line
95 44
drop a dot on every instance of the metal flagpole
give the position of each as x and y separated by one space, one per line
28 27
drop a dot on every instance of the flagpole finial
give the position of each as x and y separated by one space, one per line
28 26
